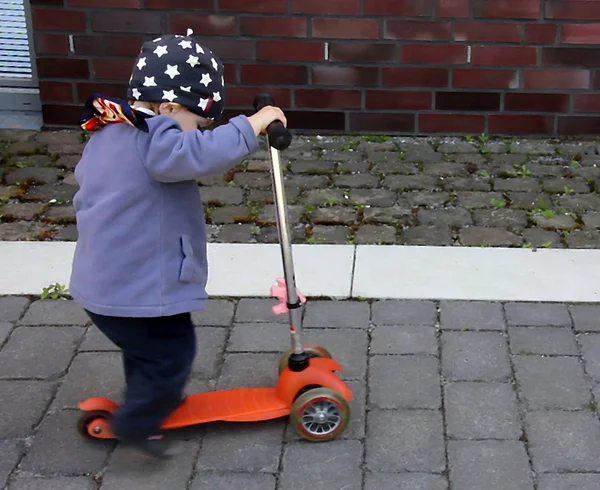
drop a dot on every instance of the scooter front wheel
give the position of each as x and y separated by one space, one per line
94 424
312 350
320 415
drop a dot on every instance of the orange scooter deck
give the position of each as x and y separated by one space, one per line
239 405
242 404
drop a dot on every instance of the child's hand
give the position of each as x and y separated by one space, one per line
261 120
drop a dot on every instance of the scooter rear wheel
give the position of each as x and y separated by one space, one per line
320 415
86 421
313 350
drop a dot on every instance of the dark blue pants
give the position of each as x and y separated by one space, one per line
157 358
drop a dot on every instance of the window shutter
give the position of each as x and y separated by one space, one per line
15 57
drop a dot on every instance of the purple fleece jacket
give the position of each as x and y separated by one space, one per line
141 250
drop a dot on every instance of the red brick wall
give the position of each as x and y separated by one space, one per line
404 66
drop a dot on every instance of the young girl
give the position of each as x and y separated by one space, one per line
140 264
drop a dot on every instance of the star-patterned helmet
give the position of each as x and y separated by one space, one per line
175 68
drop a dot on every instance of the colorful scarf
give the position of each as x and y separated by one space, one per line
103 110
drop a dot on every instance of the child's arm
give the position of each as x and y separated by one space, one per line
175 156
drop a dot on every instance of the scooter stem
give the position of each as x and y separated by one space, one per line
293 301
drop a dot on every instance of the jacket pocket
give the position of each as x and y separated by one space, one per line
191 265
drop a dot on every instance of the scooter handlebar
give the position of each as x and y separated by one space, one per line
279 136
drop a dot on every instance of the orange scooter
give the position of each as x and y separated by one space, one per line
308 390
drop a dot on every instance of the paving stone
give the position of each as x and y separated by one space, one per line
257 311
33 175
424 199
482 411
586 317
235 233
21 231
217 312
475 356
467 184
526 200
336 464
444 169
344 314
564 441
95 340
259 337
542 341
385 168
127 469
230 481
457 147
63 193
20 211
574 481
489 464
250 447
268 214
537 314
10 453
306 181
405 481
557 222
517 185
552 383
409 182
320 197
404 339
70 453
24 403
583 239
253 180
559 184
91 374
314 167
230 214
356 181
580 202
427 235
5 330
590 348
404 382
347 346
591 220
12 307
222 195
500 218
403 312
210 344
27 353
68 233
372 197
471 315
532 147
375 234
495 237
53 483
538 238
445 217
55 312
395 215
329 234
334 215
405 440
248 370
477 199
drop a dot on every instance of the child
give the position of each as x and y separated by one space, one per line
140 264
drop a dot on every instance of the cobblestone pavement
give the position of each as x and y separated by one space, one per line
453 395
416 191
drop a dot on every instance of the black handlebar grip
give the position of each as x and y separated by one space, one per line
279 136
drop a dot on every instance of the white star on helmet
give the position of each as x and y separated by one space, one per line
169 95
160 51
206 79
172 71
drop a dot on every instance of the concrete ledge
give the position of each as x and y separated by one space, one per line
344 271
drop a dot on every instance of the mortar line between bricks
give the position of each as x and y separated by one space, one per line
365 469
195 472
442 408
520 402
588 378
